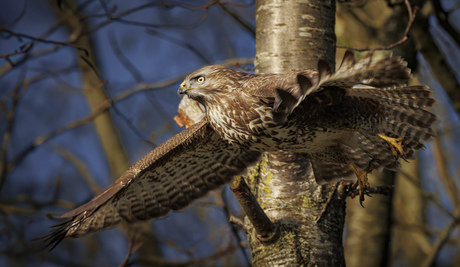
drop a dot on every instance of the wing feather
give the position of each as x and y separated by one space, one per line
170 177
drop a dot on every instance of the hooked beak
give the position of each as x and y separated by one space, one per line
182 89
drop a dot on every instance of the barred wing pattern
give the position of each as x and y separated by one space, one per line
401 112
170 177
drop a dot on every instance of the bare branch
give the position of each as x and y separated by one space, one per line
123 59
179 43
425 193
443 237
266 230
440 68
237 221
67 155
443 19
20 16
445 177
412 13
233 221
133 247
238 19
10 118
40 40
7 67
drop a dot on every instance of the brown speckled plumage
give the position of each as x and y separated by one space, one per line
316 113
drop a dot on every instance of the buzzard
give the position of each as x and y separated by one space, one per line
359 118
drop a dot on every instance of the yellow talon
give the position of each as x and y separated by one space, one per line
395 144
362 182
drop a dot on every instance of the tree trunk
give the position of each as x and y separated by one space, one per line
295 35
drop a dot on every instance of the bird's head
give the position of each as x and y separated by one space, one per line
208 82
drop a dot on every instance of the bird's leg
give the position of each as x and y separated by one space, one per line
362 182
395 145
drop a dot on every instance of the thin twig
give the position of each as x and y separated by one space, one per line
411 12
40 40
443 20
9 66
130 67
443 237
441 167
425 193
133 247
238 19
20 16
10 119
67 155
179 43
237 221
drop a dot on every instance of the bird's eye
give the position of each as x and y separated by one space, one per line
200 79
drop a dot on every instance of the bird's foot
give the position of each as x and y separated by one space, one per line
361 183
395 145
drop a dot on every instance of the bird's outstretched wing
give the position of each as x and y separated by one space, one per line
179 171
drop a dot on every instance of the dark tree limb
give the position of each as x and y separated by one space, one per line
265 228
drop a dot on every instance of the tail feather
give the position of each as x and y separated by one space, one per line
410 146
416 117
403 112
417 96
417 134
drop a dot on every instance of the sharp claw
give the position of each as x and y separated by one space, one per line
361 184
404 158
395 159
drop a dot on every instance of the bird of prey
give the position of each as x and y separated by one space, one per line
348 122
